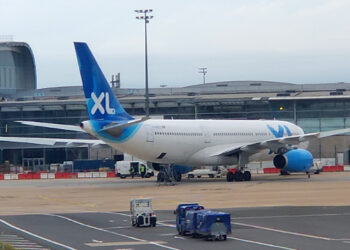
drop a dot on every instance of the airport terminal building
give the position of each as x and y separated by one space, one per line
314 107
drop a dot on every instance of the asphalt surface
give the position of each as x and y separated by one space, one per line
252 228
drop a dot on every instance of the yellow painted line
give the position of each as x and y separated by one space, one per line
123 243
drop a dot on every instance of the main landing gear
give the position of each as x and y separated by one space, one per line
238 175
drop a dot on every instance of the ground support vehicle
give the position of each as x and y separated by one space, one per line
124 169
194 220
216 172
142 214
212 225
180 212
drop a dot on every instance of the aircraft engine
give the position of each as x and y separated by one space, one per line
295 160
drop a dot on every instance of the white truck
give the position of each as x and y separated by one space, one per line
123 169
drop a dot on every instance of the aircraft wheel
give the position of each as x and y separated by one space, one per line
230 176
160 177
247 176
284 172
238 176
178 177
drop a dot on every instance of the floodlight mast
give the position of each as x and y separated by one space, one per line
204 72
144 15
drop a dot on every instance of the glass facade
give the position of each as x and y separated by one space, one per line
311 115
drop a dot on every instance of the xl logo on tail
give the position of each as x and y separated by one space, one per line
98 104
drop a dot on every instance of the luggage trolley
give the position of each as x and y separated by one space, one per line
193 219
142 214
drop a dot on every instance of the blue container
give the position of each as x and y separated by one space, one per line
190 221
92 165
213 223
181 212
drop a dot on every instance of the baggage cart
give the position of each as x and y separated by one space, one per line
142 214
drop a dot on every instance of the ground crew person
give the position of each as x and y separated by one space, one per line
143 170
132 171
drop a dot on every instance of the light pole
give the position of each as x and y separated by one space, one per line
143 15
203 71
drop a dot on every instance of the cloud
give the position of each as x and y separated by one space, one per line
283 40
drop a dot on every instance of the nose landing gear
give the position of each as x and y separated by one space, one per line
167 175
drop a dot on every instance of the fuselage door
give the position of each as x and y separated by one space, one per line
150 134
206 134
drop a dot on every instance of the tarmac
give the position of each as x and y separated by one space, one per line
252 228
270 212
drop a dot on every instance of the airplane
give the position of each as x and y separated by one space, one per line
174 147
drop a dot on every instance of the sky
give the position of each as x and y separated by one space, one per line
293 41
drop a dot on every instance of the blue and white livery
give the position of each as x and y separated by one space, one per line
181 145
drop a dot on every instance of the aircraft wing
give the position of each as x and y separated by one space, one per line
277 143
53 141
53 125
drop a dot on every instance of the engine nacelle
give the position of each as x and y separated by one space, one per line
295 160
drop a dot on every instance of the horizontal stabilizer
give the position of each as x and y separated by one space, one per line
52 141
115 128
53 125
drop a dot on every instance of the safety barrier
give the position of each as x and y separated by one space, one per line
338 168
44 175
272 170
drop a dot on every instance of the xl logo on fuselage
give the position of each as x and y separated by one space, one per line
279 133
98 104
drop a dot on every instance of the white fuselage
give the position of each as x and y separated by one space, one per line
198 142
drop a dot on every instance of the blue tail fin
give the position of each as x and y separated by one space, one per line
100 100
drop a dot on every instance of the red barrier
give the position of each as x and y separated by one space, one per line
21 176
70 175
27 176
272 170
66 175
110 174
59 175
36 175
338 168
